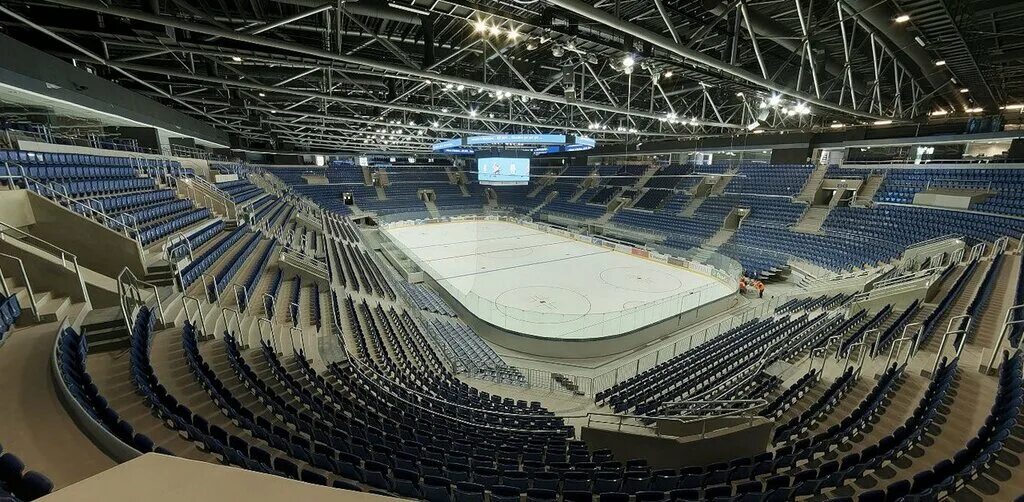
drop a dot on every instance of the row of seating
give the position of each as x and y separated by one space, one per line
18 483
223 277
72 350
154 232
192 271
799 425
426 299
980 453
10 310
181 248
114 203
27 158
472 354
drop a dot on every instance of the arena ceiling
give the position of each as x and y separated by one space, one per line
395 75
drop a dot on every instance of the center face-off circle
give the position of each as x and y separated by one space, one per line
640 279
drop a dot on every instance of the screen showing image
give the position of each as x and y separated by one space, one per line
503 170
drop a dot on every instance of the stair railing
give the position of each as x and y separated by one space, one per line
68 260
185 299
181 237
999 246
978 251
238 299
302 340
226 319
271 339
897 347
950 331
269 311
25 279
129 278
206 288
1010 319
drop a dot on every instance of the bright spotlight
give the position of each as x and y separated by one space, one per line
480 26
628 61
902 18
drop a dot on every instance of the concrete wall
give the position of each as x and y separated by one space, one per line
668 452
97 247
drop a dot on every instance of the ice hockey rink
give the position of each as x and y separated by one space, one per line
536 283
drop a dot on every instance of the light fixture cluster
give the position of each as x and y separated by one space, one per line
673 118
775 101
495 29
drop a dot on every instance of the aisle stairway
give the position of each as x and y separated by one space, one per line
812 220
988 325
810 188
958 307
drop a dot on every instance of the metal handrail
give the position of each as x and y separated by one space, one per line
245 295
274 344
206 287
302 339
65 256
199 313
190 188
684 419
933 240
899 342
28 284
945 336
293 315
269 311
227 323
1008 320
133 279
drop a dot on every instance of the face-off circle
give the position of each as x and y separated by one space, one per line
640 279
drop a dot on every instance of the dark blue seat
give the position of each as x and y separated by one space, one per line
516 479
406 483
577 496
541 495
576 481
651 496
436 489
607 482
375 474
346 485
502 493
469 492
545 480
313 477
613 497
